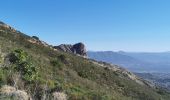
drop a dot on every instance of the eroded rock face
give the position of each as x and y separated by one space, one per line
64 47
78 48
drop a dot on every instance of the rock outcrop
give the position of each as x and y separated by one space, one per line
78 48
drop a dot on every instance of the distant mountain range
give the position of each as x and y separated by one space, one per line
135 61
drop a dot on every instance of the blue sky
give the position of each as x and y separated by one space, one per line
128 25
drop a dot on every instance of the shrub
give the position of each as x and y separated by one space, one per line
56 63
18 56
22 64
62 57
83 74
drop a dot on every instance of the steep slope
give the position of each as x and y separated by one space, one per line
44 73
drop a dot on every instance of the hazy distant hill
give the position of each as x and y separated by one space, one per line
157 58
138 62
115 58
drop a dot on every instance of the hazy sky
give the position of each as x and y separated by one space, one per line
129 25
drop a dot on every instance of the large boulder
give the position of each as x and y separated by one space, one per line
78 48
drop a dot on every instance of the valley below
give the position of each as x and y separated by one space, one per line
159 79
153 67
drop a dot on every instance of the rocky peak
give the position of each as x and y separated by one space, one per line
78 48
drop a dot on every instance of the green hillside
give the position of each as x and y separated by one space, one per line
36 68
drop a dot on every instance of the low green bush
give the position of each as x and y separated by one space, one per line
56 63
22 64
83 74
